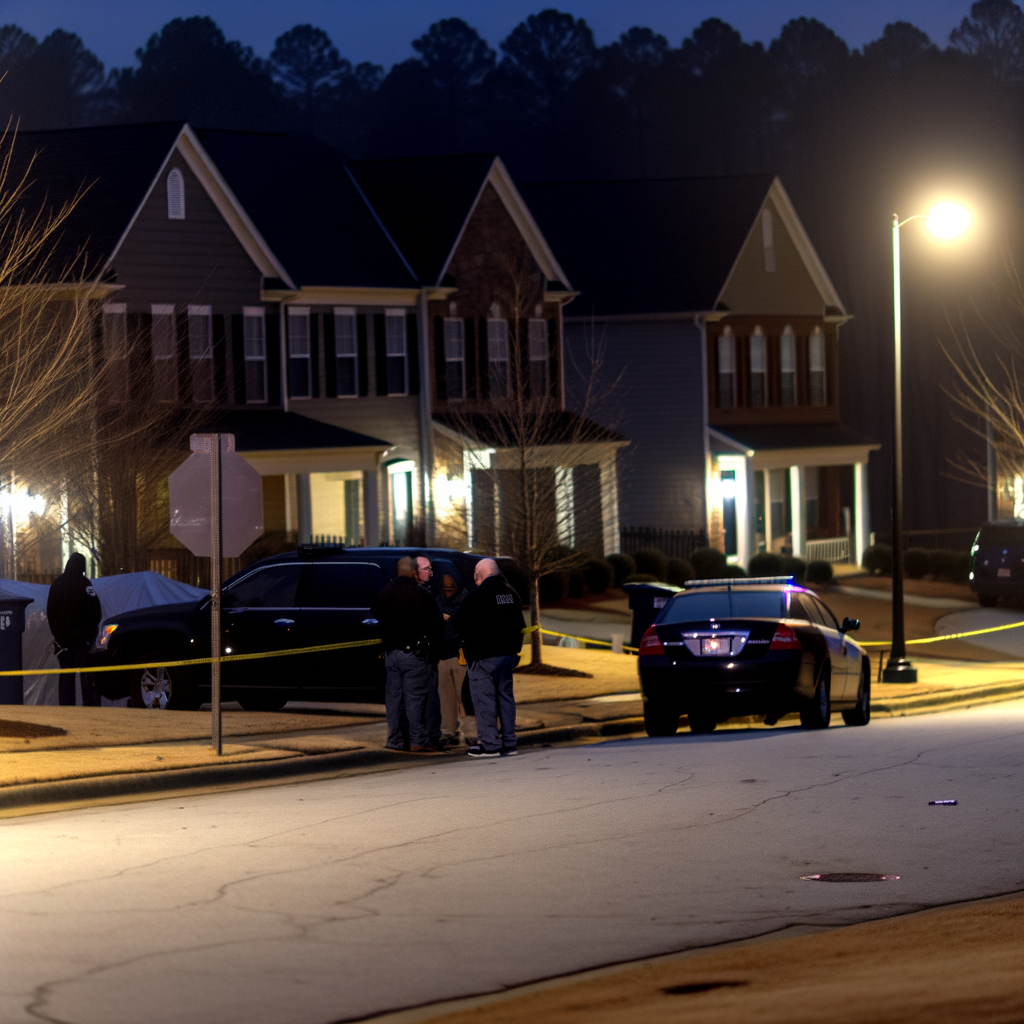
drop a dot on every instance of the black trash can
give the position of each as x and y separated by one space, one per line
645 601
12 625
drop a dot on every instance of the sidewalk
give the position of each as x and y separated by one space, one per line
54 755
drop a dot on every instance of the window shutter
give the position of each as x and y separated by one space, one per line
554 383
238 357
470 349
273 357
485 381
412 353
363 349
220 359
440 369
380 352
330 357
314 353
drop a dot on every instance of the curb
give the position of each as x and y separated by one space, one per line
899 706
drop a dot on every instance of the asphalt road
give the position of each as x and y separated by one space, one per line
327 901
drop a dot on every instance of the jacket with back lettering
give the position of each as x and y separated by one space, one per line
490 621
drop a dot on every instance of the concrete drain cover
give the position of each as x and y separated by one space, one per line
849 876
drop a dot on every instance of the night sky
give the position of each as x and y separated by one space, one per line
381 30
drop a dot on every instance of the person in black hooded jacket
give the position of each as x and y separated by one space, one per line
73 613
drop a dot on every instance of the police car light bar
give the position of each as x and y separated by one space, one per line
742 581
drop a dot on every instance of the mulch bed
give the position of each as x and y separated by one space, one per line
29 730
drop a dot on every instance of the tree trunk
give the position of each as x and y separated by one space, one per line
535 637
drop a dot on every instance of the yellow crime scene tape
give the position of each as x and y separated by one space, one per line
945 636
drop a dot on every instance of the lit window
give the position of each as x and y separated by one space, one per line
175 195
394 334
455 358
816 367
758 369
200 351
539 378
346 352
165 352
300 380
768 241
115 348
254 335
787 361
497 358
727 370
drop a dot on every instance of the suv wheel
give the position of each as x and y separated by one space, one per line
817 713
660 719
164 689
861 714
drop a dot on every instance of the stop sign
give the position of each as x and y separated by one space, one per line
241 505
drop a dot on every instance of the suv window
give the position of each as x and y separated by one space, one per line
274 586
344 585
827 616
721 604
802 606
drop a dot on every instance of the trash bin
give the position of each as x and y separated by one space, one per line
12 625
645 601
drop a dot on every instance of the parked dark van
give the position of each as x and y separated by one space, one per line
304 598
997 561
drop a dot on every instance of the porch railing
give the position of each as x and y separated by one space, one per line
829 549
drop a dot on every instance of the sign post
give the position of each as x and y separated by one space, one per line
216 511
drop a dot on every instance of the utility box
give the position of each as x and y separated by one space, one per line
12 626
645 601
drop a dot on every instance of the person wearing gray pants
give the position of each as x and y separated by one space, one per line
410 696
490 683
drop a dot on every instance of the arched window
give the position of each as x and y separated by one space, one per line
727 370
787 365
758 369
816 367
175 195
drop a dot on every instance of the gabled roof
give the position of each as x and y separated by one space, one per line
426 202
304 202
264 430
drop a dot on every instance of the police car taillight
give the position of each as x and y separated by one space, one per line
650 643
785 639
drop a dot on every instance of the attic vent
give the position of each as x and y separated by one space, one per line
768 239
175 195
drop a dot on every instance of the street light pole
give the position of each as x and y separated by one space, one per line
899 669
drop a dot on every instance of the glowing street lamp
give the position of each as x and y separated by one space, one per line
947 222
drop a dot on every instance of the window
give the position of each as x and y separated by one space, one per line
787 359
346 352
115 349
727 370
768 241
565 506
394 334
300 380
175 195
344 586
497 357
200 351
254 336
758 369
455 358
273 587
165 351
816 361
702 605
539 379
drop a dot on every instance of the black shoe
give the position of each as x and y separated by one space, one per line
479 751
509 751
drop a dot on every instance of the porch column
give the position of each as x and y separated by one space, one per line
750 546
305 509
861 511
610 506
371 509
767 477
798 509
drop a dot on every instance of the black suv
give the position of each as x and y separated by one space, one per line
997 561
315 595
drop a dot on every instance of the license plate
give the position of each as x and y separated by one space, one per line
716 645
1003 573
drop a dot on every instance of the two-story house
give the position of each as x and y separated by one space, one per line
719 319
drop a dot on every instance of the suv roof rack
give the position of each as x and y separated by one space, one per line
742 581
319 550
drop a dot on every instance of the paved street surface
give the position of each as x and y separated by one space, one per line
331 900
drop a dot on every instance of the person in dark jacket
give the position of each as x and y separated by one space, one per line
450 674
490 623
411 624
73 613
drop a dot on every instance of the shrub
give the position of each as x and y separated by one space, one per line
653 562
734 572
598 575
950 565
679 571
878 560
765 563
917 563
641 577
819 571
708 564
574 583
795 567
552 588
622 566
